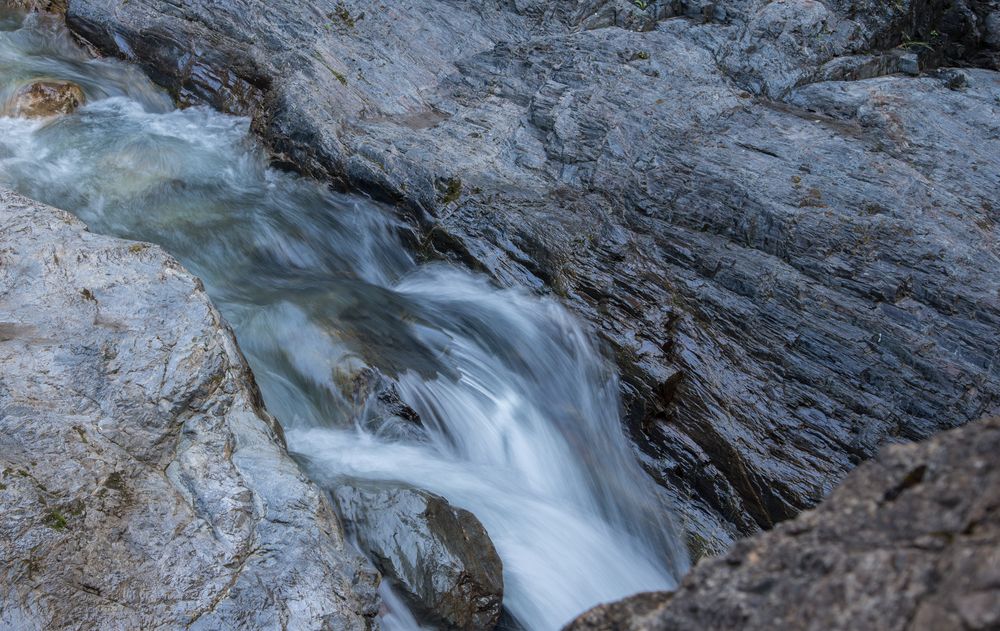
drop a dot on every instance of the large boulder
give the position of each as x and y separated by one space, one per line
909 541
142 484
440 556
791 271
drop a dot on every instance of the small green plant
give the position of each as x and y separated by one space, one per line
341 13
813 199
642 4
339 76
55 520
453 191
913 44
115 482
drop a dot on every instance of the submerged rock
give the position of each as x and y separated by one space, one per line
908 541
380 410
439 555
41 99
142 484
792 270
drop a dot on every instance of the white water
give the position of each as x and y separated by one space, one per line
521 410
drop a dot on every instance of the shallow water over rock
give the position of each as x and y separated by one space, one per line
518 407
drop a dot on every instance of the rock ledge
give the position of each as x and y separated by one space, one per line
142 483
909 541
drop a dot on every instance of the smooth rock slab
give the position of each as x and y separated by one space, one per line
142 484
909 541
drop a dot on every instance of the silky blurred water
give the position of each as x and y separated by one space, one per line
520 411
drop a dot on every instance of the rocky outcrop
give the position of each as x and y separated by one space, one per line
440 556
793 254
142 484
909 541
41 99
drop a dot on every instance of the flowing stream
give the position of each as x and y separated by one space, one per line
520 412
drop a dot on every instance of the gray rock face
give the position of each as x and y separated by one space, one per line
910 541
793 257
441 556
143 486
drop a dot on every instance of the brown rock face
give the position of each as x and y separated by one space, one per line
41 99
909 541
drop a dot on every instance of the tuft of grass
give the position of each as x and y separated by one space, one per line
814 199
115 482
915 44
453 191
55 520
340 77
344 16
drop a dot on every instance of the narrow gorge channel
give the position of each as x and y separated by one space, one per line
500 400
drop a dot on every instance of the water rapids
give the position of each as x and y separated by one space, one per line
520 410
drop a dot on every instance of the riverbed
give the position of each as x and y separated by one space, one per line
518 405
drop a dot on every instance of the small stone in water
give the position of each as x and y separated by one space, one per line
41 99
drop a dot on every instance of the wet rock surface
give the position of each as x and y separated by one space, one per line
908 541
792 253
439 555
380 410
142 483
41 99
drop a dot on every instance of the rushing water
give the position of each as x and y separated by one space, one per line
521 413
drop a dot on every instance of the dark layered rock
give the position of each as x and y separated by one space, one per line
440 556
142 483
909 541
792 253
